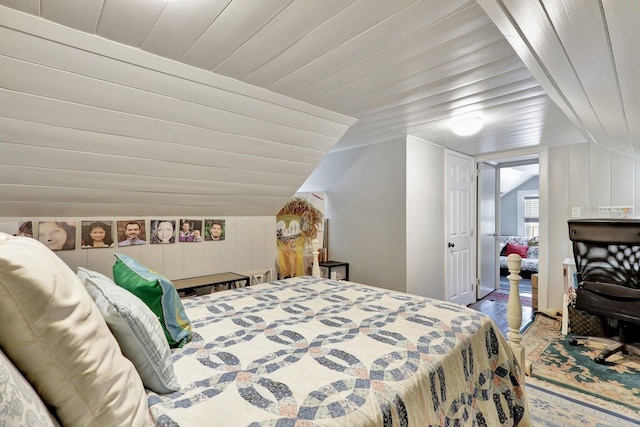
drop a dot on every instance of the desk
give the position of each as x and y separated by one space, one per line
331 266
228 279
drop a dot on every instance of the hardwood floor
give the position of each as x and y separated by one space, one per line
497 311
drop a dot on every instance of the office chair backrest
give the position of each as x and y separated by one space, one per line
607 256
607 251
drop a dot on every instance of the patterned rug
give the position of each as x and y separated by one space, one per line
503 296
554 360
551 405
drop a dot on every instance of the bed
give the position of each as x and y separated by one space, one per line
309 351
526 247
304 351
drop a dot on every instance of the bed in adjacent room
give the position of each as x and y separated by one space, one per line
309 351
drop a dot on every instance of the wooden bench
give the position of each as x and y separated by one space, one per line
229 279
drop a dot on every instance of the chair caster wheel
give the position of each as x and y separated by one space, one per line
573 341
600 360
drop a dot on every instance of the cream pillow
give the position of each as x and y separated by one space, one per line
53 332
136 329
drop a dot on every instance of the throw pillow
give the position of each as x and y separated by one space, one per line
54 334
20 405
158 293
517 249
136 329
503 249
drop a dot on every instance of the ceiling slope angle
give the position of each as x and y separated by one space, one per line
402 67
91 127
586 56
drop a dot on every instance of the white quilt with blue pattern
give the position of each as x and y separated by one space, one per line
316 352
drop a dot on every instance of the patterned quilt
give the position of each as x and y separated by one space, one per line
316 352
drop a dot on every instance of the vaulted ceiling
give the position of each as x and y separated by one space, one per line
586 56
541 72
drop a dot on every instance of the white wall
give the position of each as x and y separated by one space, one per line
249 247
367 213
425 219
509 204
385 205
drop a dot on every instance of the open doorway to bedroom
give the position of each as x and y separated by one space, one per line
519 224
508 222
508 195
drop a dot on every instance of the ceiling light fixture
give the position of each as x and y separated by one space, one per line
467 124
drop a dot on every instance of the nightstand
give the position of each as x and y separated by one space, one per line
335 270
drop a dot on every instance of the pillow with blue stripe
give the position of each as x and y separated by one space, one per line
158 293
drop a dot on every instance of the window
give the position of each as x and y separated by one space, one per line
531 215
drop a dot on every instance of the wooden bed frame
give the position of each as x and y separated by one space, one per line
514 313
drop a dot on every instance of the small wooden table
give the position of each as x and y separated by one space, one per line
229 279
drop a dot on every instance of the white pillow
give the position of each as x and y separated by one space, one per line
136 329
20 405
54 334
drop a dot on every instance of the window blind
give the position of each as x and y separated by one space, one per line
531 208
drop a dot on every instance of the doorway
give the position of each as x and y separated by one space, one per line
515 221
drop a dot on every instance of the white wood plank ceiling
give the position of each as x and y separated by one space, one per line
228 105
586 55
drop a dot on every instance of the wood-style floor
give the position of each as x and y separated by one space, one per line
498 312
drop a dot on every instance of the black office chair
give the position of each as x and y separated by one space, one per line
607 256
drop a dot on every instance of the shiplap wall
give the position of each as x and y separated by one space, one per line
249 247
586 176
93 127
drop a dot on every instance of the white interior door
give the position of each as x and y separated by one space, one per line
459 220
488 267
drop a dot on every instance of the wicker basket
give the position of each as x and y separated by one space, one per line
583 323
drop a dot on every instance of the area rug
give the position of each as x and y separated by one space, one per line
503 296
551 405
554 360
